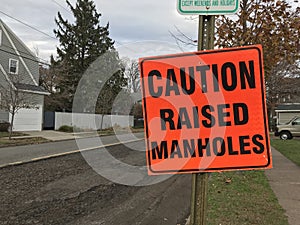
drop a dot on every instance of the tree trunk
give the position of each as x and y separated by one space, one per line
101 124
11 125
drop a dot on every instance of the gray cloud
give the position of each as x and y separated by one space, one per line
130 21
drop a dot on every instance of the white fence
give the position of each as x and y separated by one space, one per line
91 121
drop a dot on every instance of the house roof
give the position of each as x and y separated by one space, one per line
14 44
288 107
19 40
31 89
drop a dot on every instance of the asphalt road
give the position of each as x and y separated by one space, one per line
67 190
28 152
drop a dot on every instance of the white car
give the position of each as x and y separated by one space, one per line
288 130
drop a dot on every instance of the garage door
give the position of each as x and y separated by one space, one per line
28 120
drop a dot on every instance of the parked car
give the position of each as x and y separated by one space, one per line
288 130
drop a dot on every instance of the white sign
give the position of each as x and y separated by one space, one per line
208 7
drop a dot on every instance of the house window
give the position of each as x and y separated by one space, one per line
13 66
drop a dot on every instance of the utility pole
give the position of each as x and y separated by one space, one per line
200 180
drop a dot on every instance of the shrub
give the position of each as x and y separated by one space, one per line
69 129
66 128
4 125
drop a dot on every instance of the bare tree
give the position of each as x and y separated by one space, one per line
137 110
182 39
13 98
273 24
132 73
276 26
284 83
49 79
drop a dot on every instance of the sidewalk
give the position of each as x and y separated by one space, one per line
57 135
284 179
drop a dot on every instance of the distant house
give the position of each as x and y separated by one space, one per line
289 90
17 61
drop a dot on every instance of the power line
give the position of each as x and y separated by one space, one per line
25 57
42 32
61 6
25 53
72 15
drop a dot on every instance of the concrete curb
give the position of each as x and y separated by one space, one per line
63 136
65 153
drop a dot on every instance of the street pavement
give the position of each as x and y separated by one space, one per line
284 179
72 190
66 145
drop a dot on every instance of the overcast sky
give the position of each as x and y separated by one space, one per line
139 27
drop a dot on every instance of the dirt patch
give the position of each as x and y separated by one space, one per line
65 190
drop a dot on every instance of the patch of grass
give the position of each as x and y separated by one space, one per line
137 129
14 134
243 197
119 130
22 141
289 148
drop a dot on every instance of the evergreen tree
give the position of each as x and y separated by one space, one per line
81 42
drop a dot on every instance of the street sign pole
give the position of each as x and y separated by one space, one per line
200 180
206 32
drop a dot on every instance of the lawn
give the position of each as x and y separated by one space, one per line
119 130
289 148
243 197
18 140
14 134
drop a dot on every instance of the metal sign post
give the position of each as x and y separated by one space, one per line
240 137
200 180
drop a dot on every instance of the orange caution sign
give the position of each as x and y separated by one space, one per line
205 111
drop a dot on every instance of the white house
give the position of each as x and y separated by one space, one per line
16 60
